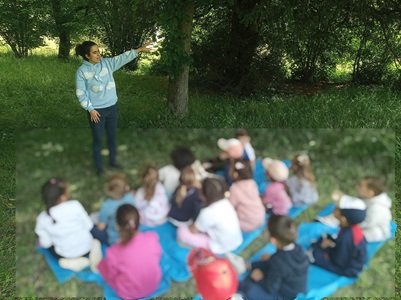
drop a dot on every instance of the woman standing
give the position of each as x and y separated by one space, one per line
96 92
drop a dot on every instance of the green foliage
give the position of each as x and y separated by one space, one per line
21 24
7 214
126 24
68 20
175 52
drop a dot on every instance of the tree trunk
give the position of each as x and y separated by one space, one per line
243 42
178 86
65 44
64 33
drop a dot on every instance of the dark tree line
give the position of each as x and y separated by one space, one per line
234 43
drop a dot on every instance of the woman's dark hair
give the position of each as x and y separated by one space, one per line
243 169
182 157
213 189
52 191
84 48
128 221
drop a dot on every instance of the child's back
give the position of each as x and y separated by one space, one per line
376 226
302 184
285 272
276 197
302 191
133 270
187 211
345 254
70 233
108 215
282 275
244 196
186 201
132 266
220 221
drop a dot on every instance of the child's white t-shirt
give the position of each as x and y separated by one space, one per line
70 235
220 221
169 176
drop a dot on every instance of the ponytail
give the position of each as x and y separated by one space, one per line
128 221
52 190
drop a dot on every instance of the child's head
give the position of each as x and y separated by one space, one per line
54 191
350 211
182 157
215 277
241 170
300 164
116 186
128 221
242 135
149 179
370 186
233 147
187 180
282 230
275 169
214 189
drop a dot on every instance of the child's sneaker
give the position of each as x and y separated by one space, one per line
329 220
237 262
74 264
95 256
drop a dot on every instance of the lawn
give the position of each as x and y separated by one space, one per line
39 91
339 158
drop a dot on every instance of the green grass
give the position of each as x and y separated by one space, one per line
7 215
339 158
39 91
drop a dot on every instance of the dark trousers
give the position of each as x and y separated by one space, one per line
108 122
250 290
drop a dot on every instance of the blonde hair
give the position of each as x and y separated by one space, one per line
303 170
150 177
187 180
116 186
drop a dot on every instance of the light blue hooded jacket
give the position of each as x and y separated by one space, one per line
95 85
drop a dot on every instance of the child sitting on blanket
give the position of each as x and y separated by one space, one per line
186 202
132 266
244 196
118 191
376 226
231 149
169 175
345 254
302 185
275 197
151 199
65 228
249 153
282 275
217 227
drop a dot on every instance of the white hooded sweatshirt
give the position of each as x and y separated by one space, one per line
376 225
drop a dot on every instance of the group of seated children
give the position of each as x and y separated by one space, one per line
210 213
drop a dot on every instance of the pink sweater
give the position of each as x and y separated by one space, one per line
244 196
133 270
276 195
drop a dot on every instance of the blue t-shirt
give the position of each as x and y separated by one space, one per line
108 215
